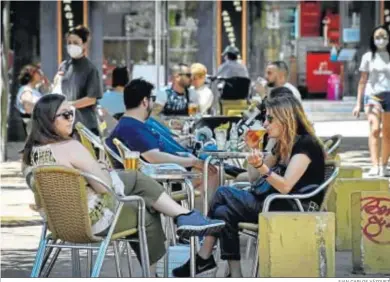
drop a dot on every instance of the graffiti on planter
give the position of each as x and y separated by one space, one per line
376 219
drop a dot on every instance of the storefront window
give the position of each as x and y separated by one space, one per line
129 34
183 26
272 33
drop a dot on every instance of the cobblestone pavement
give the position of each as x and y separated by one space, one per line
21 228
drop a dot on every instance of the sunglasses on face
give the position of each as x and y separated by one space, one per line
66 115
186 74
269 118
380 37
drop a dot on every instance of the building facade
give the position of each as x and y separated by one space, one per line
143 34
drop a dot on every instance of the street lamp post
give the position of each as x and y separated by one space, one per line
157 37
4 79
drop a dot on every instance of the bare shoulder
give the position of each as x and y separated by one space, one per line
69 145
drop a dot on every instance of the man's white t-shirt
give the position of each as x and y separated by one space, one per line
294 90
379 72
205 98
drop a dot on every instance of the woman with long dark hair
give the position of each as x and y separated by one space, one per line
297 149
49 144
374 86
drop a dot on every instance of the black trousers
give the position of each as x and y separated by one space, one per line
234 205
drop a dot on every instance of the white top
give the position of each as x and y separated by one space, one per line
36 95
205 98
379 72
294 90
162 96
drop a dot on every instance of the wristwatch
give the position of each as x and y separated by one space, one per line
269 172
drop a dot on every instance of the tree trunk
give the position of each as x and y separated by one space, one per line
5 9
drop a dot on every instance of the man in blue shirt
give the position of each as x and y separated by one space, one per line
137 136
112 100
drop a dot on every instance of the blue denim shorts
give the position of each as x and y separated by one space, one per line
381 100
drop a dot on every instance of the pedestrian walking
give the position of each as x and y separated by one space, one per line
374 87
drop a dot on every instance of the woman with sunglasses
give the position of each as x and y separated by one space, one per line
49 144
297 149
375 84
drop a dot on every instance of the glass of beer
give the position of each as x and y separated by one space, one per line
131 161
192 109
255 135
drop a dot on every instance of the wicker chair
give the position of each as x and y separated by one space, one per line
63 195
251 229
84 138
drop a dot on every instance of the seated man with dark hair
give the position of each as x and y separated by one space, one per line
137 136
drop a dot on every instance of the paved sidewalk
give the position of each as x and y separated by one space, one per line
20 229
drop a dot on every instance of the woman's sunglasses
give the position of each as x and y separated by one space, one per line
66 115
269 118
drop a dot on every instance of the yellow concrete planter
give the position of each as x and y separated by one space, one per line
340 203
296 244
371 232
350 172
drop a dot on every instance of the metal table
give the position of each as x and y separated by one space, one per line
167 176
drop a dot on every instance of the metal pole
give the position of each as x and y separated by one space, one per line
157 39
166 42
4 80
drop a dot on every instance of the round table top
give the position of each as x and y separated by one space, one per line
170 174
226 154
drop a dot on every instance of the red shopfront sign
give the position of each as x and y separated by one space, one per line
310 18
318 69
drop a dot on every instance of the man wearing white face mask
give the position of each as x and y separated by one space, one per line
79 79
375 84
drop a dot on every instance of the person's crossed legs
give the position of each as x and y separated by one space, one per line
233 206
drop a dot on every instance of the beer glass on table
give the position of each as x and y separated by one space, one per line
131 161
193 109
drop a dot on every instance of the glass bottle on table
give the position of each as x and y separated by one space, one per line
233 138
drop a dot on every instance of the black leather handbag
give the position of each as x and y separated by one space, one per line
261 186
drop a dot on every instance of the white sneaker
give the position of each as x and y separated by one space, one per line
374 171
383 171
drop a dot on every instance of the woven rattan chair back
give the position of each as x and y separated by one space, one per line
84 139
63 195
